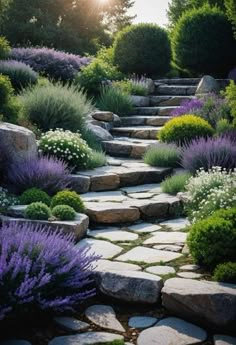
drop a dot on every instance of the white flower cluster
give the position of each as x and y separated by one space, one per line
6 199
210 191
67 146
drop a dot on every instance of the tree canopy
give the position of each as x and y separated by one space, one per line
73 25
231 12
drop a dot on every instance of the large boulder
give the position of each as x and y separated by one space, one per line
207 84
208 303
16 142
100 133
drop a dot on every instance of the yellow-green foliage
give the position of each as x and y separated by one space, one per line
230 95
183 129
68 198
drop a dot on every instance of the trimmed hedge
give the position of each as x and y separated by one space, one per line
143 49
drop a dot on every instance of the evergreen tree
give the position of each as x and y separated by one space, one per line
231 12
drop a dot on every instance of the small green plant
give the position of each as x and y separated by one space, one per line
175 184
38 211
68 198
181 130
64 212
207 236
68 146
226 273
163 155
5 48
34 195
114 100
97 159
9 105
95 74
223 126
133 86
230 94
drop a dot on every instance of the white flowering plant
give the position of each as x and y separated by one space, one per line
209 191
7 199
67 146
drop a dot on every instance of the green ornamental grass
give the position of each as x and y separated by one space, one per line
163 155
175 184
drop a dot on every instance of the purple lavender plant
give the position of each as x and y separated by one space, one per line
41 269
192 106
209 153
47 173
54 64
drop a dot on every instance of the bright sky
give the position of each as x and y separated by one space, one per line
150 11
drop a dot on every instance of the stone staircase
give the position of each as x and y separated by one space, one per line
139 130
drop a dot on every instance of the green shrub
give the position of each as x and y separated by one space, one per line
68 146
207 237
20 74
175 184
143 49
35 195
68 198
210 191
56 106
95 74
64 212
195 45
230 94
133 86
223 126
9 105
38 211
226 273
181 130
162 155
5 48
96 159
114 100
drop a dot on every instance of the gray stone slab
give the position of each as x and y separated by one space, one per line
141 195
141 322
80 183
107 265
189 275
144 228
148 255
152 188
176 224
172 331
164 237
71 324
104 316
113 196
189 268
130 286
113 235
88 338
209 303
224 340
168 247
103 249
160 270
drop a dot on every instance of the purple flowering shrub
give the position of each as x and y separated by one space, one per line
54 64
47 173
209 153
41 269
212 108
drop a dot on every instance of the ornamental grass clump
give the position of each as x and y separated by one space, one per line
68 146
47 173
163 155
209 191
182 130
55 106
41 269
175 184
207 153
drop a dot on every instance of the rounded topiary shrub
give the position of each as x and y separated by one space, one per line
203 42
226 273
183 129
34 195
143 49
207 236
38 211
64 212
68 198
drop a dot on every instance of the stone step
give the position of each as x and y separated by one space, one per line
127 147
128 174
161 111
130 210
144 120
179 90
169 100
141 132
178 81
